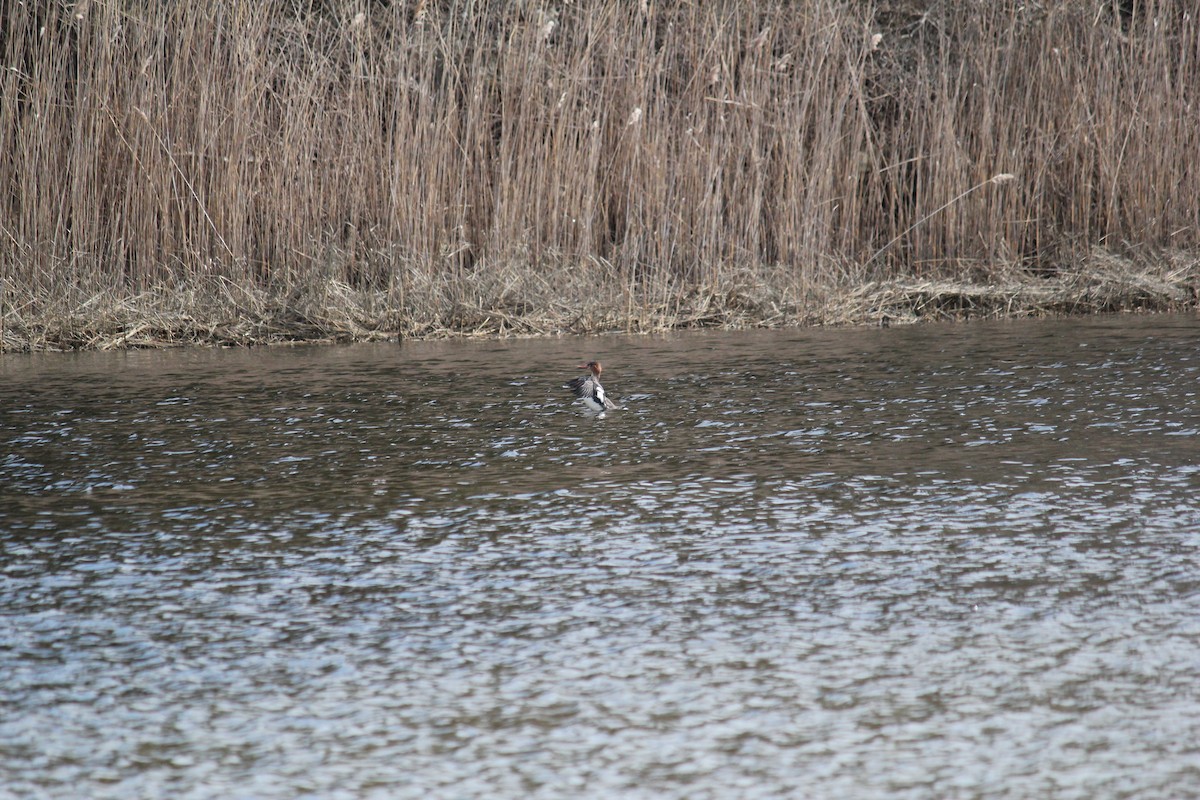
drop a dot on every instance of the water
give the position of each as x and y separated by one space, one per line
944 561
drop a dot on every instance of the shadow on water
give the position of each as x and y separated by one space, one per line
945 560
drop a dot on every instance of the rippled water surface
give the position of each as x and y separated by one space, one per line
943 561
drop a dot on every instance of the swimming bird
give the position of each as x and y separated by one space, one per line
588 388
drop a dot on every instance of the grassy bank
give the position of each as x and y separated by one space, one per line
240 173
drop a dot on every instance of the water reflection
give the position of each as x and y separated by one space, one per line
940 561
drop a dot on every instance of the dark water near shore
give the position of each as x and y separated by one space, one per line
943 561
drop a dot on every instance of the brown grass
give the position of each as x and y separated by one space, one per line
233 173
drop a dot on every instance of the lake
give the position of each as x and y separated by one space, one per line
934 561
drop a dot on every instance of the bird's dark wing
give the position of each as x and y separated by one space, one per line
581 386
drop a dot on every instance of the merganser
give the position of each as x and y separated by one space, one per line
588 388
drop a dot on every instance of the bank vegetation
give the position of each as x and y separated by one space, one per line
298 170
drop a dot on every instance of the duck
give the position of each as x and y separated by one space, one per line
588 388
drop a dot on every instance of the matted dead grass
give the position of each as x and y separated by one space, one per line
514 301
1101 283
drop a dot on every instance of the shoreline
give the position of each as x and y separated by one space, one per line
221 312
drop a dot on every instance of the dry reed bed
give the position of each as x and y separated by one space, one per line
232 173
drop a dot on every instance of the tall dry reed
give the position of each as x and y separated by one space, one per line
530 160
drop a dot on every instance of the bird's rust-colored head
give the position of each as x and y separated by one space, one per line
594 366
